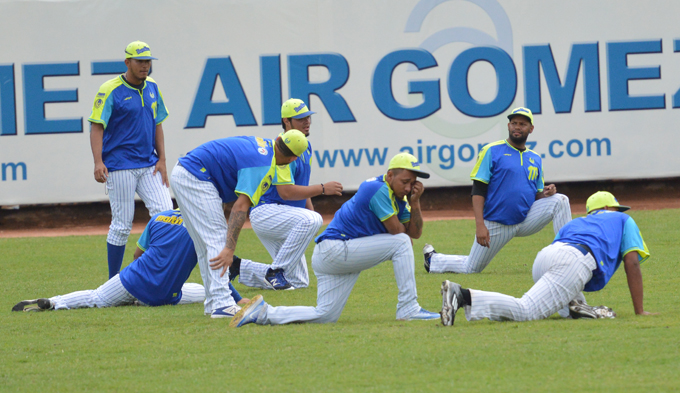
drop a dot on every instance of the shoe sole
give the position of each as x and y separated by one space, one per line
254 302
447 314
21 306
578 310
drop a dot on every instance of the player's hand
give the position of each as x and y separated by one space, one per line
160 167
332 188
549 190
101 172
223 260
483 236
416 191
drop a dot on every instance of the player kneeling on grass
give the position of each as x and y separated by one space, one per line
376 225
164 259
583 257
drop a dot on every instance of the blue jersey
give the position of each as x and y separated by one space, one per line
363 215
236 165
129 117
514 177
610 236
156 277
297 172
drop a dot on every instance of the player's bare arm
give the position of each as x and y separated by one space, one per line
309 205
96 143
294 192
237 217
160 149
634 276
393 226
548 191
482 232
414 228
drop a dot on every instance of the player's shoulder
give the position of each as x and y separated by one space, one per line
493 146
110 85
151 80
533 153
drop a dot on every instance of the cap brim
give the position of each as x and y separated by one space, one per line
142 58
303 115
622 208
510 116
421 174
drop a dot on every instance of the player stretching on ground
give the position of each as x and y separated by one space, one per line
508 199
240 170
164 259
376 225
128 147
583 257
285 220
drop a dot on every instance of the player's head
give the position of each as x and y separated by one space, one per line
289 146
520 125
402 173
603 200
296 116
138 60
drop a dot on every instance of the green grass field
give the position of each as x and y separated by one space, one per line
179 349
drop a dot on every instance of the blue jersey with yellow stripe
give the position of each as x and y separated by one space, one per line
610 235
364 213
236 165
129 117
514 177
156 277
297 172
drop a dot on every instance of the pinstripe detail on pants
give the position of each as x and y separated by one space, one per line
560 273
192 293
204 219
555 208
337 265
285 231
121 186
112 293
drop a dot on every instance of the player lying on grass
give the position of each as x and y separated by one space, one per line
164 259
376 225
583 257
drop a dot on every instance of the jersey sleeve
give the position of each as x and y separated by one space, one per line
404 211
254 182
632 241
283 175
482 169
540 183
143 242
161 110
381 204
102 107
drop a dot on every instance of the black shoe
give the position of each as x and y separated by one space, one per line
235 268
428 251
579 309
34 305
452 301
277 280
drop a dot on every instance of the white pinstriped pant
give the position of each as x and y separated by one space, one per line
554 208
121 186
204 219
112 293
560 273
285 231
337 265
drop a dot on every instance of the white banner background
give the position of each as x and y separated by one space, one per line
184 34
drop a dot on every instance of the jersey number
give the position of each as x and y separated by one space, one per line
533 173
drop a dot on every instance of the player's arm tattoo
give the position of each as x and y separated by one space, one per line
415 226
236 221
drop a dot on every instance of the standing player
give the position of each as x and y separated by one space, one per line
376 225
508 199
164 259
239 169
583 257
285 220
128 146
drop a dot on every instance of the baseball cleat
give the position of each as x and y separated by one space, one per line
277 280
422 315
33 305
452 300
579 309
428 250
225 312
249 312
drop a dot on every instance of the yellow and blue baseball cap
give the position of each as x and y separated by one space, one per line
526 112
295 108
138 50
296 141
407 161
602 199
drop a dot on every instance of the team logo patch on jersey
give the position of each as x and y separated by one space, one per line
262 151
260 142
101 94
128 98
98 103
151 94
531 160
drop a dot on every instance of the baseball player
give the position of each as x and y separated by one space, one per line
239 169
583 257
164 259
508 199
376 225
285 220
128 146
